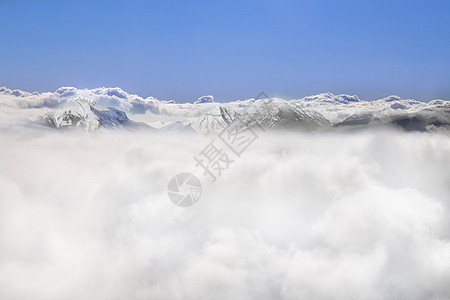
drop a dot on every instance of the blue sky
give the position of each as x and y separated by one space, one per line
232 49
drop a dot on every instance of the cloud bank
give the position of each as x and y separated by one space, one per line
114 97
21 103
319 216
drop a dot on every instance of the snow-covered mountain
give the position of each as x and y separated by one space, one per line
86 108
86 114
213 121
408 114
205 99
326 111
263 113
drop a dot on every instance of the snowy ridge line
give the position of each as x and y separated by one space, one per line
106 108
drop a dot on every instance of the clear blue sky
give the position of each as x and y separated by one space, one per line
232 49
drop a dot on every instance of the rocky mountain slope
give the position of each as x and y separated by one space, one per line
86 114
107 108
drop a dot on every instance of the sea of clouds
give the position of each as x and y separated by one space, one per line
22 102
342 215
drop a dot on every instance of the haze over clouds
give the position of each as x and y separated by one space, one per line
299 216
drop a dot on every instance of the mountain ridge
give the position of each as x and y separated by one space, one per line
107 108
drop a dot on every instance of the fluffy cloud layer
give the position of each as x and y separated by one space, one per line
16 102
17 106
324 216
114 97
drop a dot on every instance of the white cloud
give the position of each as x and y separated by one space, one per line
319 216
114 97
336 108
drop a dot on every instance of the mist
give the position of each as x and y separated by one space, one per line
342 215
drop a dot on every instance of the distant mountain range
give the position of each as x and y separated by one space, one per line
107 108
85 113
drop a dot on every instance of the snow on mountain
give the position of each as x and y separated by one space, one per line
205 99
213 121
205 116
279 114
327 110
86 114
266 114
338 108
177 127
410 115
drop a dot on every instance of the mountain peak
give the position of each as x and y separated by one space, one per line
205 99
